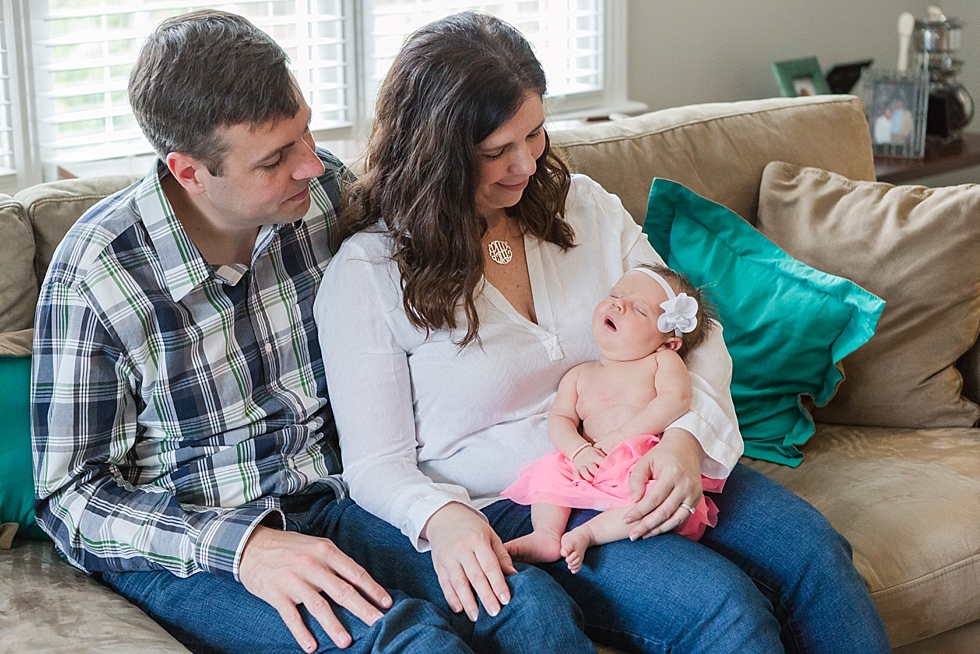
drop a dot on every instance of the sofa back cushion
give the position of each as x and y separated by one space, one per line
719 150
54 207
18 282
918 249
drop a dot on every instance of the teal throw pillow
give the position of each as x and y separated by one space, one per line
786 325
16 463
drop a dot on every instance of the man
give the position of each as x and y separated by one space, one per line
185 450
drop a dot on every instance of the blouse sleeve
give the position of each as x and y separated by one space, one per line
712 418
370 389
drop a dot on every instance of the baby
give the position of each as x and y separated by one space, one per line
610 412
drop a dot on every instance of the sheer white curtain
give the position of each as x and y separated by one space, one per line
6 115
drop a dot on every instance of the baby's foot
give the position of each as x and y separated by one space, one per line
536 547
573 546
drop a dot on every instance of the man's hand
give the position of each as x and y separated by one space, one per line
287 568
468 555
675 464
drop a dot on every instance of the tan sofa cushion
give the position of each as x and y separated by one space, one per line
909 503
719 150
16 344
48 606
54 207
916 248
18 283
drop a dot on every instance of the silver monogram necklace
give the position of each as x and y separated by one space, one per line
500 251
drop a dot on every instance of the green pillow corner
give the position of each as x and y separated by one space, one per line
16 462
809 321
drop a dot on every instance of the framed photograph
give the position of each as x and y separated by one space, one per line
896 105
841 78
800 77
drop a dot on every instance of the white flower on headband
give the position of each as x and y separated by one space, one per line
679 316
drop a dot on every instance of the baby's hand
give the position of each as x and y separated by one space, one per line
610 440
587 463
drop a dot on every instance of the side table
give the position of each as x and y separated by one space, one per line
941 159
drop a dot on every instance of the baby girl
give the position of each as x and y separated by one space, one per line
610 412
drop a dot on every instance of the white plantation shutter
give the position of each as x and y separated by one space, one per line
73 57
567 36
85 49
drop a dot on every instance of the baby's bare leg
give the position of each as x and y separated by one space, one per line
543 545
607 527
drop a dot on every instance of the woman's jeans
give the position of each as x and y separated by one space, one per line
772 575
211 614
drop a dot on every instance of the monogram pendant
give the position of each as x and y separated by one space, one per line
500 252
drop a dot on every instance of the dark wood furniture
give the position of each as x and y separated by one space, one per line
938 160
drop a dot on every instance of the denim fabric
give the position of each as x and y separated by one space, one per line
211 614
539 619
772 575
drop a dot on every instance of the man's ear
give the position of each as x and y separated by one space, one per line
672 343
187 171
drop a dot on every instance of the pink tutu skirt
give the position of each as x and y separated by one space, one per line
551 480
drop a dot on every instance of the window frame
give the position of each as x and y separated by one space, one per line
27 165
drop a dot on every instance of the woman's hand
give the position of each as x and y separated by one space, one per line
587 462
468 555
675 464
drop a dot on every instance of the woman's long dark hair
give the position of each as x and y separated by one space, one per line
453 84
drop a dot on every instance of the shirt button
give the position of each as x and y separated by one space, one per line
268 348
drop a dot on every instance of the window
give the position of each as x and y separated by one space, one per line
15 128
568 37
82 52
6 121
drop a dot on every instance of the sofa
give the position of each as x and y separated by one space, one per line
906 496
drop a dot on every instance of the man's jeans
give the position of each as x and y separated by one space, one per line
211 614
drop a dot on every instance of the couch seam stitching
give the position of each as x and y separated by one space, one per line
75 198
929 576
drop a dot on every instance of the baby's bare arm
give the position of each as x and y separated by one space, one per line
563 422
563 419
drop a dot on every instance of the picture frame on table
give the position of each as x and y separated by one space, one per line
896 105
842 78
798 77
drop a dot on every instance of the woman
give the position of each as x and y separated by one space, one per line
472 263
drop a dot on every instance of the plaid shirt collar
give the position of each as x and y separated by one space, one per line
183 266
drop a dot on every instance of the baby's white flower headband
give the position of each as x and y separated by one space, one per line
680 311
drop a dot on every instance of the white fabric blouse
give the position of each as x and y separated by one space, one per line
423 423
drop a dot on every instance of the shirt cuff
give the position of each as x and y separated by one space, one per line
721 455
218 549
417 517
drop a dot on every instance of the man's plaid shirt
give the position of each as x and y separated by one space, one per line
174 402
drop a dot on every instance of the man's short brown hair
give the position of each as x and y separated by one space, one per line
205 70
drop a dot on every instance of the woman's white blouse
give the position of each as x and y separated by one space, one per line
423 423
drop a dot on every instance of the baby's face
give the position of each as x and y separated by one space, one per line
624 323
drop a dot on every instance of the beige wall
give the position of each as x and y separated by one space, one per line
690 51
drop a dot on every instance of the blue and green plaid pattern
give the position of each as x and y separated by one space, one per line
173 403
